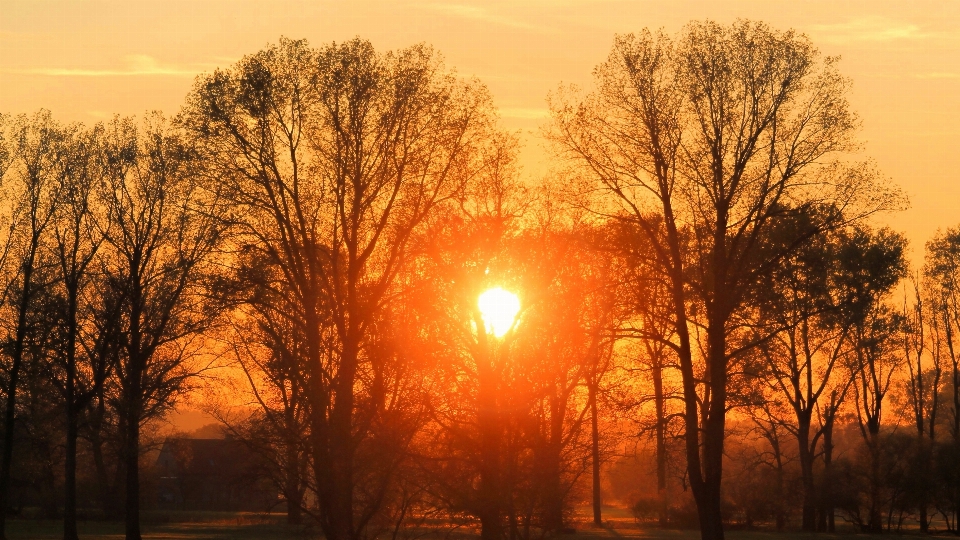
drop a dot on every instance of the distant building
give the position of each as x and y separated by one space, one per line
213 474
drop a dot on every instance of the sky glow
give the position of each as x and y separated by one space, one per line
87 61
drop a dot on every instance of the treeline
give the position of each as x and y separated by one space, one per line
312 231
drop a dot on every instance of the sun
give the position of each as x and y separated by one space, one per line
499 308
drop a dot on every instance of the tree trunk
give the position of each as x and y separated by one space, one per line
489 510
595 453
875 524
319 405
318 442
292 492
708 503
781 517
830 511
8 438
47 480
826 494
708 511
70 469
70 399
133 404
341 445
660 406
131 456
808 522
108 500
924 523
924 456
704 473
10 416
553 496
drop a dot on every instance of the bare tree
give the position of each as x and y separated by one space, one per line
333 158
827 417
942 281
717 134
872 263
920 335
805 308
568 340
647 319
770 428
942 270
77 368
268 346
159 233
32 181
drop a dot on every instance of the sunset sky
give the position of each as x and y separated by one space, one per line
89 60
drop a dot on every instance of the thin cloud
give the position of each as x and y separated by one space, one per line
478 13
137 65
938 75
866 29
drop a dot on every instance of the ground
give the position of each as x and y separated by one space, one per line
237 526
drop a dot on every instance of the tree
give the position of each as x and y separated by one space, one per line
646 313
474 445
871 265
942 270
769 427
827 417
269 348
33 176
717 134
942 281
805 309
923 385
160 231
77 368
332 160
509 436
568 335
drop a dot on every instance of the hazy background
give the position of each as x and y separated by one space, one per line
87 60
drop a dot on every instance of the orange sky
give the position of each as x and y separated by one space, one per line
86 60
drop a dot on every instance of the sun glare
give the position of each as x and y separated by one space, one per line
499 308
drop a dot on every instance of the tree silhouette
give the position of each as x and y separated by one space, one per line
159 235
332 159
714 133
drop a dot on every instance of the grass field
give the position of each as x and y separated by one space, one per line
224 526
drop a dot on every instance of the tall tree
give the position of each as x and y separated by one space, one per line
160 231
872 263
477 416
269 348
567 344
77 369
942 281
332 159
716 134
647 318
805 308
921 335
827 419
942 272
32 181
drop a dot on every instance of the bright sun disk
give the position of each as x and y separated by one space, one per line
499 308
